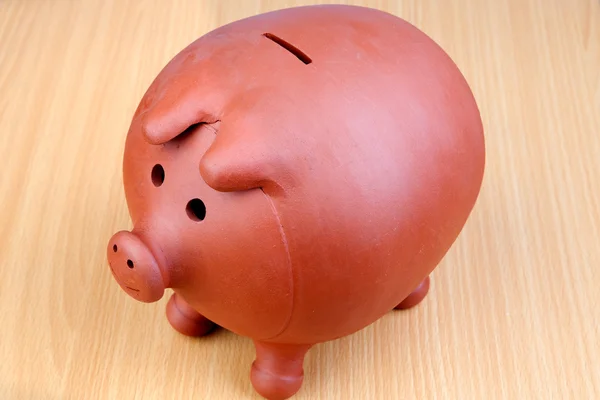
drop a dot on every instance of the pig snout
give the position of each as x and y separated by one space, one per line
134 267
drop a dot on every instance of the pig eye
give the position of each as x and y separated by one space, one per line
158 175
196 210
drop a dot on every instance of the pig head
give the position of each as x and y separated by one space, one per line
218 250
294 178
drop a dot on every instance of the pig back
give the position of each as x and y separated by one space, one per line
386 152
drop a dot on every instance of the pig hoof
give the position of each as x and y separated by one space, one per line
274 387
415 297
185 320
277 372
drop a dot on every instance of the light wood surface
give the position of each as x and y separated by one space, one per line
514 308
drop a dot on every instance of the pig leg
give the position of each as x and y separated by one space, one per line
415 297
277 372
185 319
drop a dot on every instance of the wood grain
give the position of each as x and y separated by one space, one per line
514 309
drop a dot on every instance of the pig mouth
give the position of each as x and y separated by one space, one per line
127 287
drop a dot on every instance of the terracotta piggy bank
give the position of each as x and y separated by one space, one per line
294 176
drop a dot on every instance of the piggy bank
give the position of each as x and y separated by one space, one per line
294 176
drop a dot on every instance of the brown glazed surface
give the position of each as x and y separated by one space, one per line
334 152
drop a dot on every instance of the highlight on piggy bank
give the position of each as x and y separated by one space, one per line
294 176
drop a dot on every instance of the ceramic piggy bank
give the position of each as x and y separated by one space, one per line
294 176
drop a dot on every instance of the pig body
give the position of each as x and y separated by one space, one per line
295 175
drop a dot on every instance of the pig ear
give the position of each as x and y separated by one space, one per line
235 165
162 124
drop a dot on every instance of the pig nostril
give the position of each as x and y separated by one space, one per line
196 210
115 248
130 263
158 175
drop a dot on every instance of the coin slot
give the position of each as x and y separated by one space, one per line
289 47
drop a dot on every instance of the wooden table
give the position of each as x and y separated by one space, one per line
514 308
